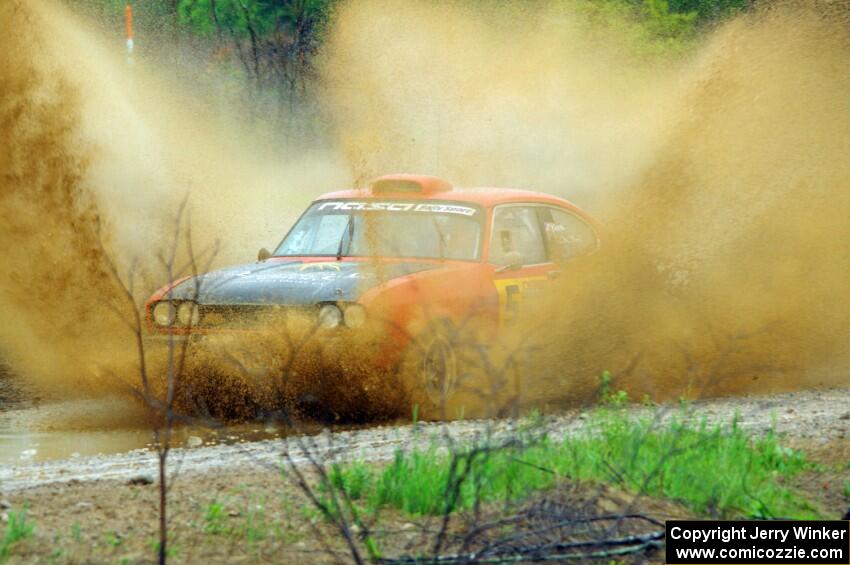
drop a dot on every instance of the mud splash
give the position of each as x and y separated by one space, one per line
529 95
722 176
726 267
52 263
97 155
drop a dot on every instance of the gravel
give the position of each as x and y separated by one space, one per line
813 416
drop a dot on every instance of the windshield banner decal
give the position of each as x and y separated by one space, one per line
397 207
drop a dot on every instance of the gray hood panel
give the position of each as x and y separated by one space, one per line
291 282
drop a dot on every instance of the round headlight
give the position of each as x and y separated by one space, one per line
188 314
163 313
355 316
329 316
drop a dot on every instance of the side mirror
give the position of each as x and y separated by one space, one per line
514 261
263 254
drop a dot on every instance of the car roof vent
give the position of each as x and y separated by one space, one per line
409 184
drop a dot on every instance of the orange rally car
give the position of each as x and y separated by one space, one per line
410 253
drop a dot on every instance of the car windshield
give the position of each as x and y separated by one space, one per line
373 228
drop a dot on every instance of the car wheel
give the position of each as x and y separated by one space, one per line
438 369
449 374
431 372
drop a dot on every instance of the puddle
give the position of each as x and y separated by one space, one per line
79 428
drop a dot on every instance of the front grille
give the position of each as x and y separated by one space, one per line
249 316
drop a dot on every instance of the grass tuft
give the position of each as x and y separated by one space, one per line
715 470
17 529
215 518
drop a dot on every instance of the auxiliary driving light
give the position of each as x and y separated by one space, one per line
330 316
164 313
355 316
188 314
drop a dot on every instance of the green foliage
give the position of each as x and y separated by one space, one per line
607 396
604 386
235 16
355 478
214 518
708 11
170 552
846 491
644 28
652 25
667 25
356 481
252 525
275 40
241 17
678 461
373 549
17 529
112 540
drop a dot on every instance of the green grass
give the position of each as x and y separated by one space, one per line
215 518
249 524
714 470
254 528
170 552
17 529
112 540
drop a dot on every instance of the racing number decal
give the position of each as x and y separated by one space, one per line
511 308
512 293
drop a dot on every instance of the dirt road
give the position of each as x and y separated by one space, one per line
808 418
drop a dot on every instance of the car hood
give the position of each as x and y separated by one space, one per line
292 282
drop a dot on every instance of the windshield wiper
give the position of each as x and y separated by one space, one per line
349 229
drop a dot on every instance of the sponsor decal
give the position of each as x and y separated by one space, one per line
512 292
370 206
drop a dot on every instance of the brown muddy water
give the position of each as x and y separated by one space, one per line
34 430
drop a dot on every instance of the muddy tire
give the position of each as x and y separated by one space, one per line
431 371
448 374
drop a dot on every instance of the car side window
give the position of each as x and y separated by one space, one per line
567 235
516 229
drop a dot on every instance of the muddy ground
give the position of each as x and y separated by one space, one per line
809 419
264 519
104 508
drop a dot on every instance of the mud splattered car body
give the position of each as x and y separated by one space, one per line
407 253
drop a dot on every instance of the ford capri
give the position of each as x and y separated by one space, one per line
427 267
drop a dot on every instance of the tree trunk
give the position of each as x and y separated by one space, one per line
163 499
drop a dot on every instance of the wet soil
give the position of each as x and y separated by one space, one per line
811 419
263 518
104 508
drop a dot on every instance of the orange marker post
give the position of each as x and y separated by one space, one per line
128 24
